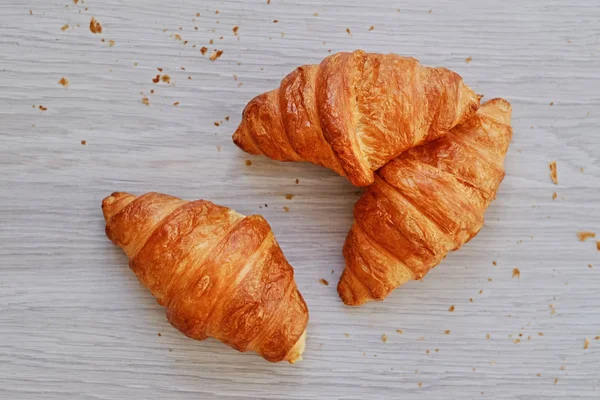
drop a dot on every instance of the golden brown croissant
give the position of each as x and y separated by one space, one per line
218 273
354 112
423 204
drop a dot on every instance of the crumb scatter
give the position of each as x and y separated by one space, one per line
215 55
95 26
584 235
553 172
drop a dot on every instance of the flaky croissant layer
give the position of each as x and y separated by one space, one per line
354 112
218 273
423 204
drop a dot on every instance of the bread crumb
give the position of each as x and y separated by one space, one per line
165 78
552 310
156 79
269 2
111 43
159 334
481 291
421 339
289 196
551 103
538 374
315 14
554 196
581 169
555 381
216 55
211 41
275 21
487 336
64 27
516 273
400 331
324 282
586 343
75 1
216 11
151 91
384 338
590 265
64 81
297 181
219 149
347 334
286 209
216 123
371 28
584 235
430 11
562 367
235 30
517 341
348 31
451 309
177 36
489 279
597 338
598 245
203 50
447 332
420 384
468 59
176 103
30 12
470 299
145 101
553 173
83 142
42 108
540 333
95 26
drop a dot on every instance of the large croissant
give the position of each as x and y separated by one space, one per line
354 112
423 204
218 273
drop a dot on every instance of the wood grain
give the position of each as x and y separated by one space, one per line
74 321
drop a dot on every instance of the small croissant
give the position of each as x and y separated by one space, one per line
423 204
354 112
218 273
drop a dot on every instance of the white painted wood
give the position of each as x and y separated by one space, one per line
74 321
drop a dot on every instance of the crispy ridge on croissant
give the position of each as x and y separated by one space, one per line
354 112
218 273
423 204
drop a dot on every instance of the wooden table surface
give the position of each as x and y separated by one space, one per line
74 321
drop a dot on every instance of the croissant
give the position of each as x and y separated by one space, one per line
354 112
218 273
423 204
